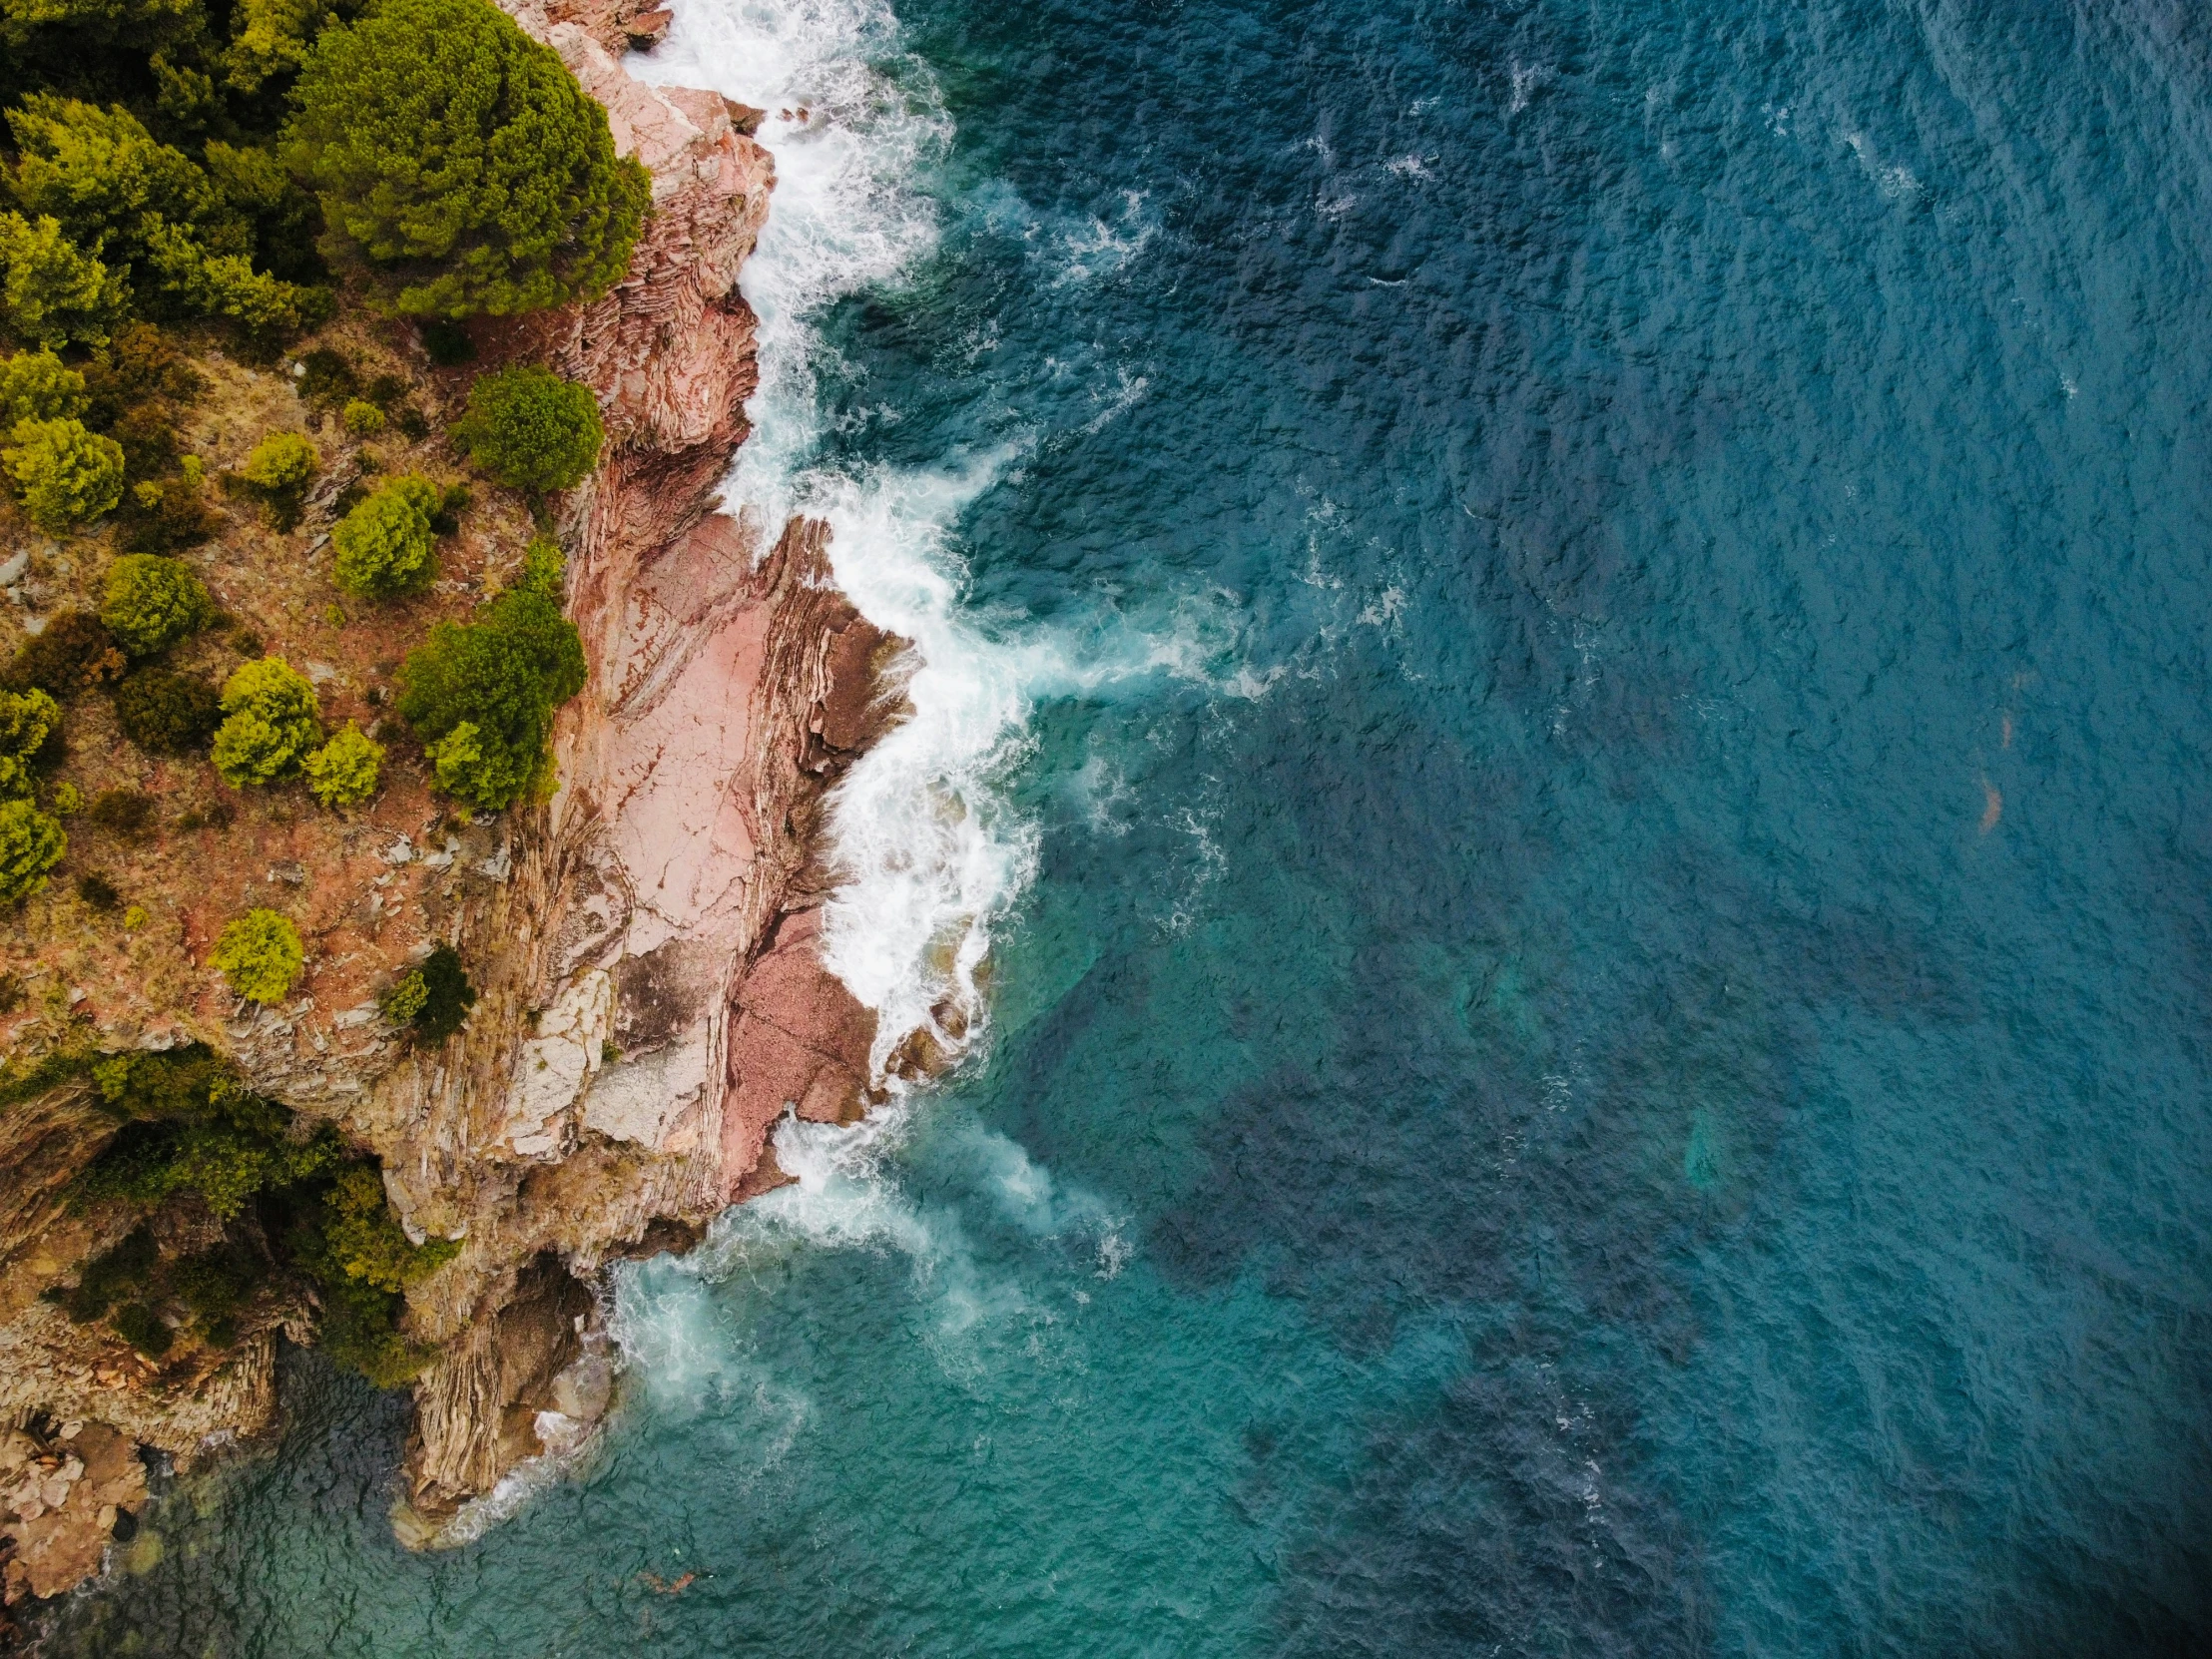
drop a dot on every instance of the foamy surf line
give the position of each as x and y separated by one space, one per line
923 859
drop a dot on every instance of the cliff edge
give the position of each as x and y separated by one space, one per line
650 998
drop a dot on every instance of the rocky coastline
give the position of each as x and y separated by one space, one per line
651 1000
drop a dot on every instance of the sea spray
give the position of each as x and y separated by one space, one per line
924 856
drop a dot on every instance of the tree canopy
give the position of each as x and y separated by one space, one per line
531 429
481 696
459 165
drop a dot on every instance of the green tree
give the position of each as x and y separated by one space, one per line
481 696
260 955
27 719
153 601
343 772
531 429
458 163
35 386
53 293
64 473
271 722
384 545
145 206
31 843
361 418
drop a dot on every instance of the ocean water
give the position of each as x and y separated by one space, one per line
1561 732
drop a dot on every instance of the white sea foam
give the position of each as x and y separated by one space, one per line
929 853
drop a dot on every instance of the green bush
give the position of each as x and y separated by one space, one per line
64 473
28 719
365 1240
51 290
459 165
168 517
385 546
271 722
73 652
165 713
153 601
404 998
35 386
260 955
137 1325
544 566
363 418
447 995
280 463
277 472
481 696
343 772
531 429
31 843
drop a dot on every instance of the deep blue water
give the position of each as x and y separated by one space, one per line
1598 1045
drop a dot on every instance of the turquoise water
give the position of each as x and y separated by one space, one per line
1567 670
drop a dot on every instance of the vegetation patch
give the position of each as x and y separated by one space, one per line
460 168
481 696
531 429
272 719
260 955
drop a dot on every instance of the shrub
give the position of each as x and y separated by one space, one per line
51 290
384 545
168 517
31 843
152 602
404 998
28 719
98 891
345 770
260 955
150 207
138 1326
367 1242
140 366
363 418
543 567
282 462
125 812
270 723
461 165
481 696
447 995
74 652
278 472
165 713
35 386
531 429
65 474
